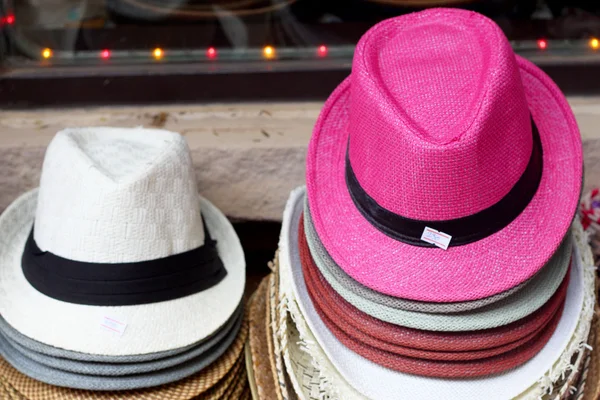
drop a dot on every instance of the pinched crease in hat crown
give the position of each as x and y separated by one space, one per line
114 195
439 123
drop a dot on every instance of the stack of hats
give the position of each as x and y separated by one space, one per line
267 374
433 253
118 281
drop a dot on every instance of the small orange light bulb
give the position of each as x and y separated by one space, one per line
158 53
594 43
47 53
269 52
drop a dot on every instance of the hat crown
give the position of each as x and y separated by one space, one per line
438 120
115 195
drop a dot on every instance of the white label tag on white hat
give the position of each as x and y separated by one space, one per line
113 325
440 239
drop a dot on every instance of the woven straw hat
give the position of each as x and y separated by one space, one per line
365 376
318 381
405 357
258 360
93 377
315 381
195 386
417 343
277 316
160 368
304 353
442 126
112 201
591 374
505 311
349 285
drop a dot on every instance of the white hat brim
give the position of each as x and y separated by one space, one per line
149 328
367 377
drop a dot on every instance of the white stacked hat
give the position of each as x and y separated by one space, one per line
116 256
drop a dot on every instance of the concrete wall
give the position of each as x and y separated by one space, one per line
247 156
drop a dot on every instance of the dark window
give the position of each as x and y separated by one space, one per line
97 51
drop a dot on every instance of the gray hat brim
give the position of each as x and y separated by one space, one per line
73 380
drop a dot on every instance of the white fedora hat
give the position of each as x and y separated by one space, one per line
116 254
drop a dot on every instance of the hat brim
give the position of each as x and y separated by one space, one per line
462 273
196 386
197 356
366 376
151 328
80 380
520 304
329 267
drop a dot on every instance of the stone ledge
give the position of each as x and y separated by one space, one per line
247 156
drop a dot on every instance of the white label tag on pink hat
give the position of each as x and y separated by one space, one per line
440 239
113 325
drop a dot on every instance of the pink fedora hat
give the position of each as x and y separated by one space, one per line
441 126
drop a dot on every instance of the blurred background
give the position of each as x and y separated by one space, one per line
84 32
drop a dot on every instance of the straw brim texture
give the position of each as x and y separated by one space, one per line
305 378
434 364
270 327
417 343
592 381
425 344
185 389
51 351
574 383
326 263
234 380
420 273
199 355
276 316
349 321
503 312
250 371
563 392
53 376
448 369
258 343
366 377
150 328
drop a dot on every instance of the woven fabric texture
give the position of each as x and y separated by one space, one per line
503 312
258 341
448 369
276 318
592 383
425 344
185 389
306 379
325 262
53 376
199 355
77 326
226 385
117 195
335 360
33 345
250 370
472 140
349 320
461 365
